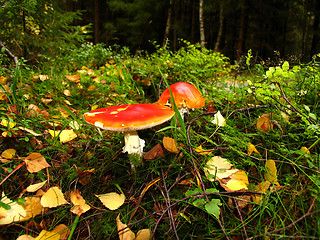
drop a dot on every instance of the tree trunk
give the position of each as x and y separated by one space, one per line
193 22
221 18
316 30
168 25
241 29
96 22
202 36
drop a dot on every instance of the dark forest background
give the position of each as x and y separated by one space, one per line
269 28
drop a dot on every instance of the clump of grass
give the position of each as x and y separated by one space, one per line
156 194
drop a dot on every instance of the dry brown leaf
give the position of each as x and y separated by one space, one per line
126 234
264 123
155 152
170 144
35 162
53 198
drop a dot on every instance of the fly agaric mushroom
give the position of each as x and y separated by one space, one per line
185 96
128 119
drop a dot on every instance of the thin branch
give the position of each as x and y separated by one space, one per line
10 54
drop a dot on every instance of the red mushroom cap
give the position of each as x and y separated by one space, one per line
184 94
129 117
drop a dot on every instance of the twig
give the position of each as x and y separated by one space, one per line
14 170
168 203
309 213
10 54
240 215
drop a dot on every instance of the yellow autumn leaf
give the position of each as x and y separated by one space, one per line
170 144
32 207
262 188
64 135
35 162
43 77
3 80
9 153
126 234
46 235
94 107
219 167
79 203
305 150
112 200
53 198
14 214
92 88
74 78
219 120
271 172
35 187
25 237
7 123
67 93
203 151
143 234
238 181
251 149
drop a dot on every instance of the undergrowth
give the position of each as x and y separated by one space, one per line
36 100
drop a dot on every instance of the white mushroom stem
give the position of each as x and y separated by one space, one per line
133 144
182 111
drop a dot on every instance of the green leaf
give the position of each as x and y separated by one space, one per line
285 66
213 207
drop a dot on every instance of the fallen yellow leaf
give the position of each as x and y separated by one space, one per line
7 123
32 207
219 120
126 234
170 144
53 198
14 214
305 150
143 234
35 162
251 149
238 181
46 235
203 151
35 187
219 167
74 78
64 135
271 172
112 200
9 153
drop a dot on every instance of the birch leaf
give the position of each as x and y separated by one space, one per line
53 198
112 200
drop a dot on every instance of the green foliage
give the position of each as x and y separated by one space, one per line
39 28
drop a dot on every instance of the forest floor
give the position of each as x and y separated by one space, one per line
244 166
